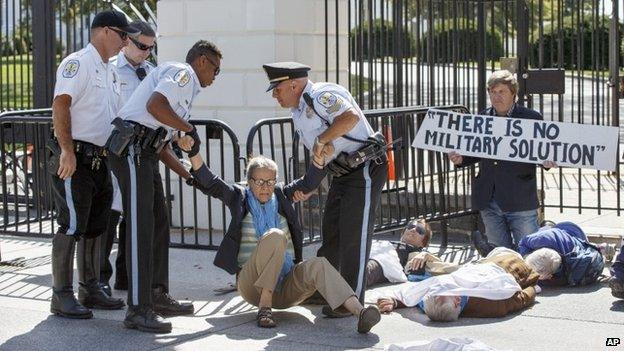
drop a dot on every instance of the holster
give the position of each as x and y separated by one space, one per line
344 163
121 137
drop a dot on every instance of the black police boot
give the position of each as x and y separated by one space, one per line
480 243
64 302
145 319
106 288
92 295
90 292
167 306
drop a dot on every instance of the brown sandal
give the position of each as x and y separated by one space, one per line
265 319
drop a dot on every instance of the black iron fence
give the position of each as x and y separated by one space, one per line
439 52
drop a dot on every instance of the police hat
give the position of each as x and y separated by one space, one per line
281 71
112 18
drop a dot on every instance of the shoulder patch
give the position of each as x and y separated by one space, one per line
327 99
182 77
71 68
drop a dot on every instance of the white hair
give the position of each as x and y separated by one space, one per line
544 261
258 162
441 310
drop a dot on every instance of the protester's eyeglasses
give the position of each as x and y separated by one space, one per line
142 46
263 182
123 35
217 67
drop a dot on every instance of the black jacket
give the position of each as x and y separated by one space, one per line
511 184
234 197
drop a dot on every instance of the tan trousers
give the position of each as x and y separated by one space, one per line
262 271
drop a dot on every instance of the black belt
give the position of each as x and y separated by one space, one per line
89 150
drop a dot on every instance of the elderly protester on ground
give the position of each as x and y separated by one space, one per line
390 261
562 255
504 192
263 243
495 286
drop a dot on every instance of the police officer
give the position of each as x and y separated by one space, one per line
85 93
132 66
159 107
332 125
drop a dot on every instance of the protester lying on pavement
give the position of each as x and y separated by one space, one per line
495 286
562 255
263 243
389 259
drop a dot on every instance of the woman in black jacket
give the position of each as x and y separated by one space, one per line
263 243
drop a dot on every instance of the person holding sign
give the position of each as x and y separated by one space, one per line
505 192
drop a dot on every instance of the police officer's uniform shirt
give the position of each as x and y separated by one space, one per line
94 88
330 101
128 79
176 81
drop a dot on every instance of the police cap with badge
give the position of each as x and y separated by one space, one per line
281 71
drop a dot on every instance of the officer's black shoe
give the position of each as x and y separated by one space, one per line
119 285
339 312
106 289
617 287
167 306
64 304
91 295
480 243
145 319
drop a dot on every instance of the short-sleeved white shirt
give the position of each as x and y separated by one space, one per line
94 88
128 79
330 101
176 81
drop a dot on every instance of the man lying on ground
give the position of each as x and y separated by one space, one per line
500 284
389 260
263 243
562 255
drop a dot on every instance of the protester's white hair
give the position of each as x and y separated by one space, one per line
544 261
258 162
441 310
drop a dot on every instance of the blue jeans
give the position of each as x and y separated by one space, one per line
507 228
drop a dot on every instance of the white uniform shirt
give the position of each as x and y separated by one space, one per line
94 88
128 80
330 101
176 81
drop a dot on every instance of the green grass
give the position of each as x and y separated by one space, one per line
16 82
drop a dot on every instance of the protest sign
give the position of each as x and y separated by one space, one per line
521 140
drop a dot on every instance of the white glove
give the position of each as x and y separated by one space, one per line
538 289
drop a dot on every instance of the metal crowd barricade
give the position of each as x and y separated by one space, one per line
424 183
199 221
27 204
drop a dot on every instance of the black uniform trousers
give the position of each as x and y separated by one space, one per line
147 224
83 205
349 219
106 268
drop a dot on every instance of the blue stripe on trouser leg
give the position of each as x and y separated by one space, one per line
69 200
364 237
132 220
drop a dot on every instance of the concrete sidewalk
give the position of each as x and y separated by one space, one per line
562 319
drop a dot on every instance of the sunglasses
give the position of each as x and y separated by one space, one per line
217 68
142 46
419 228
123 35
263 182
